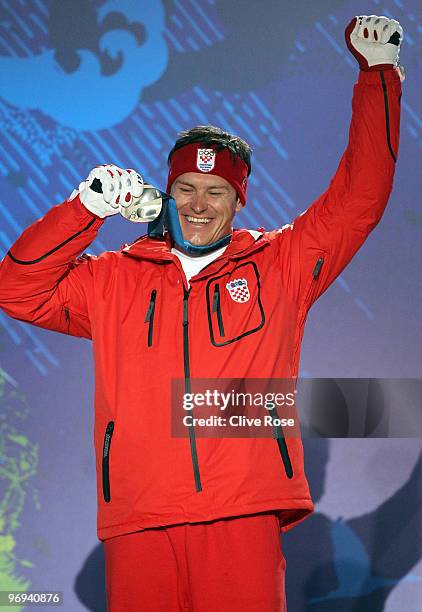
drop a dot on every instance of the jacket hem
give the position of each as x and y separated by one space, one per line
298 510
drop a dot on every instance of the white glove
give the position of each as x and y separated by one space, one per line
374 41
109 189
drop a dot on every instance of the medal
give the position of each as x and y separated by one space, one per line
144 209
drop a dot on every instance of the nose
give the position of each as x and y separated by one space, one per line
199 204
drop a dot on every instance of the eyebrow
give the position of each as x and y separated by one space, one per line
179 182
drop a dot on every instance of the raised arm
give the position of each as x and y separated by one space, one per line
316 247
43 279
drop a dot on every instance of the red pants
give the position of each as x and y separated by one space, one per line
229 565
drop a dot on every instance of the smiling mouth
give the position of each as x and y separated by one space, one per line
197 220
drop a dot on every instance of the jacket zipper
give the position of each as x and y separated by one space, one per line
106 456
67 317
282 446
186 365
216 307
284 452
303 306
281 442
149 318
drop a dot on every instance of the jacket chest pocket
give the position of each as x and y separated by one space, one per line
234 306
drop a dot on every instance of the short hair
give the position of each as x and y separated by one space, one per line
210 135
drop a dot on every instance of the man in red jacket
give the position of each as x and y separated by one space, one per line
194 523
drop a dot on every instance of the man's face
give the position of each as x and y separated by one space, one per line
206 204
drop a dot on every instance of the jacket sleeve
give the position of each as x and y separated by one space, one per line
42 279
317 246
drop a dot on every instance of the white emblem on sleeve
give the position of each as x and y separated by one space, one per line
205 160
239 290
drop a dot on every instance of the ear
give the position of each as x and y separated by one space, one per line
238 206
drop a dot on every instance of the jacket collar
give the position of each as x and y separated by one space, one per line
242 243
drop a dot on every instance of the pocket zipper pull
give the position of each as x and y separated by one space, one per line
216 299
318 267
107 438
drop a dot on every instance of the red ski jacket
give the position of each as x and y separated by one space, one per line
148 327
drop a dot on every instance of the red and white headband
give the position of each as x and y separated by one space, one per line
196 157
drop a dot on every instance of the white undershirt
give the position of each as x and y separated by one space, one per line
193 265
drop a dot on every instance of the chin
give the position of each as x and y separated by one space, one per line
196 238
197 241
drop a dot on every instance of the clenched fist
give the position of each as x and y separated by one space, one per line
108 189
374 41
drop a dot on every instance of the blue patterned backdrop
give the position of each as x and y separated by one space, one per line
90 82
